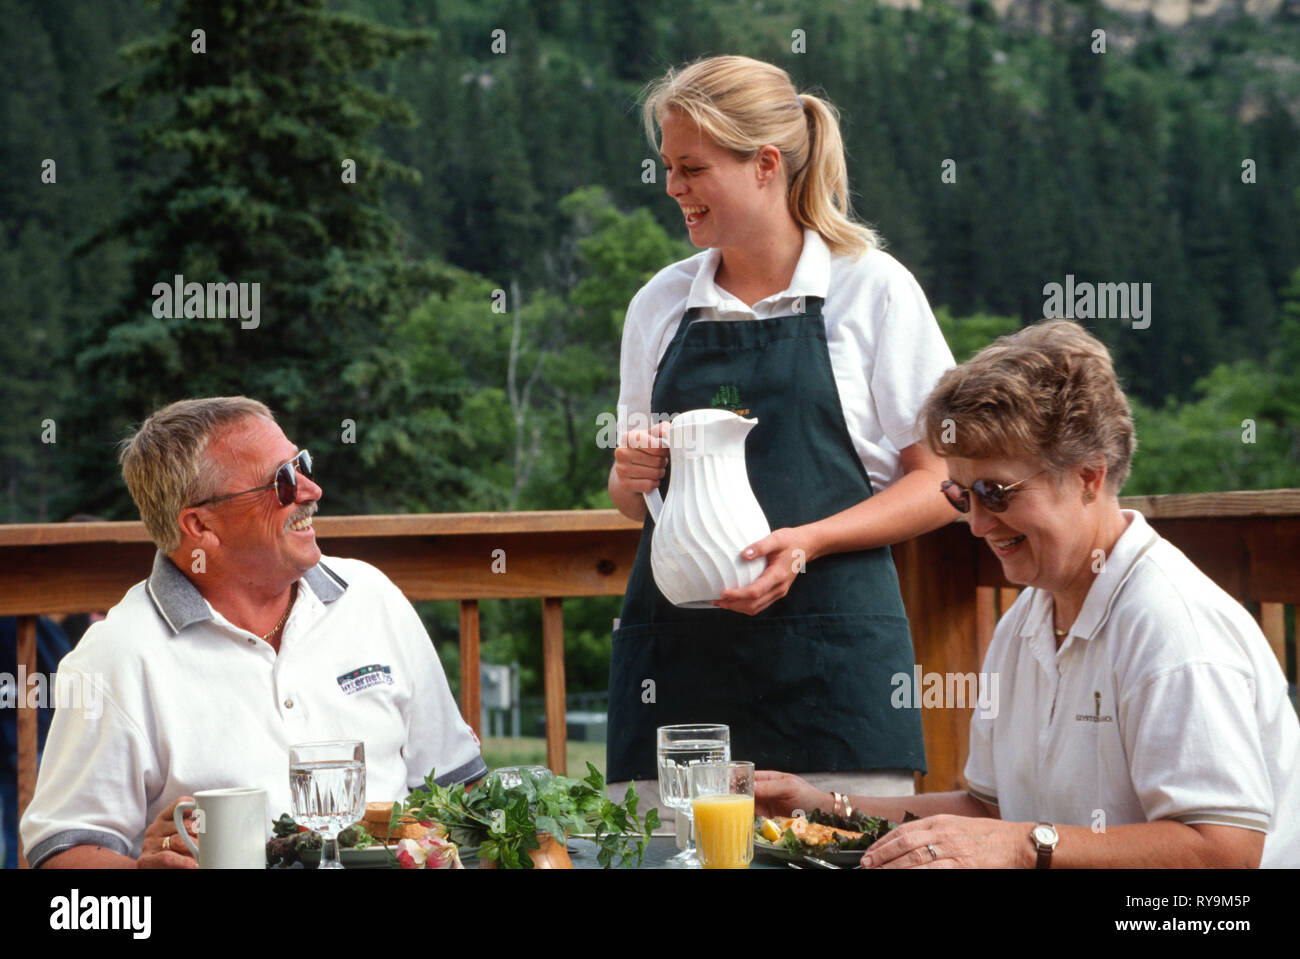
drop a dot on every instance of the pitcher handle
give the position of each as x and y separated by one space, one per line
654 502
179 818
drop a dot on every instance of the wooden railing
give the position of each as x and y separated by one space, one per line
1247 542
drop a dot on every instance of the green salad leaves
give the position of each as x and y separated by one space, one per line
504 822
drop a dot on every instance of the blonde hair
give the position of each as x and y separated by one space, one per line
744 105
164 464
1048 392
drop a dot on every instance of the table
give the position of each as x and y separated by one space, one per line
660 850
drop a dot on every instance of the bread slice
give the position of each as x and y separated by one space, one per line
378 812
406 830
376 822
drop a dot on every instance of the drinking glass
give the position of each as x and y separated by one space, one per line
722 796
328 784
678 748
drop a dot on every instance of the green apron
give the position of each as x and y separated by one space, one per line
806 684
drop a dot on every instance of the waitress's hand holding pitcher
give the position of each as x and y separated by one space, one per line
639 463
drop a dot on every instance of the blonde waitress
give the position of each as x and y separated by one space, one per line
792 314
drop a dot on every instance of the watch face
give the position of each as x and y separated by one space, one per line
1044 835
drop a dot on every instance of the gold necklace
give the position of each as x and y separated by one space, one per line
292 596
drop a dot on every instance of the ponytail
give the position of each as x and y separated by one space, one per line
743 105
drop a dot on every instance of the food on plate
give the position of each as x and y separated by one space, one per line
508 824
430 851
379 815
290 840
821 833
814 833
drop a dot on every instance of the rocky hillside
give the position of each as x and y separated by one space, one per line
1167 13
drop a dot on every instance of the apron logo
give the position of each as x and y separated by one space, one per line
364 677
728 397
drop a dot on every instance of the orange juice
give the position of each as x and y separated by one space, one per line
724 831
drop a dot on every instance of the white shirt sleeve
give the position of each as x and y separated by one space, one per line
980 772
1177 728
636 369
97 776
910 356
437 738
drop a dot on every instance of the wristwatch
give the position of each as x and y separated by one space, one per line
1044 837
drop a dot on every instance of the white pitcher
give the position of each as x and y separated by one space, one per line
710 513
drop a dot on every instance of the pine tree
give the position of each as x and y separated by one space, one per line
257 110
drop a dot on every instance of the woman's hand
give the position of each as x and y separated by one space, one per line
788 552
952 842
780 794
639 464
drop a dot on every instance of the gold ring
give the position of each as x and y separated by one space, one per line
167 842
934 854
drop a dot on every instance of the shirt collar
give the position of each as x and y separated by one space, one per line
180 604
1115 569
812 275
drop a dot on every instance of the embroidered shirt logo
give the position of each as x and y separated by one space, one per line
364 677
1096 716
728 397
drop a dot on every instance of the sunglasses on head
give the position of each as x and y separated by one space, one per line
994 497
285 483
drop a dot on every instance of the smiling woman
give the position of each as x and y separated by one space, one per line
1037 428
1144 720
796 317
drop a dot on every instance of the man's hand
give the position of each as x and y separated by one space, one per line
779 794
177 855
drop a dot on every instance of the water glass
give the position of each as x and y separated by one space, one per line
328 784
678 748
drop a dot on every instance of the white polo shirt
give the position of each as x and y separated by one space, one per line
885 347
1163 702
191 701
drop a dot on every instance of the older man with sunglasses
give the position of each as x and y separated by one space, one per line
242 642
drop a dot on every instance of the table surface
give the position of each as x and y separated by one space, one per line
583 856
657 854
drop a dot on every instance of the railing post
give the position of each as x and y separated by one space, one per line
470 698
26 721
553 671
1272 621
937 577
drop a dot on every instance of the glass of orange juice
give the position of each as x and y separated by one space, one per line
722 798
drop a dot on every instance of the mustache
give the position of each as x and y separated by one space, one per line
309 509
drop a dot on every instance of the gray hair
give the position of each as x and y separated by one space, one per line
164 464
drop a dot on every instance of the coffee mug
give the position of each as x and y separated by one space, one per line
231 824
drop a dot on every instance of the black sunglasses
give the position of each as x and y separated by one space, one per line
994 497
285 483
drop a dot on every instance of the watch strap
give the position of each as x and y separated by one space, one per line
1045 850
